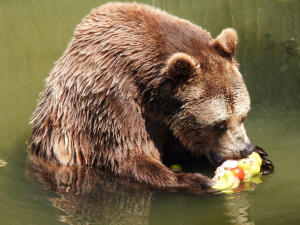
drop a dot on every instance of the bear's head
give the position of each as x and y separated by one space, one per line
214 100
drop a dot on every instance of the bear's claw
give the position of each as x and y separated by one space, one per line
260 151
267 166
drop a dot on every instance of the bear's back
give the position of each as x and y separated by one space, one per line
140 32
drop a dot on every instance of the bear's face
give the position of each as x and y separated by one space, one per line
215 101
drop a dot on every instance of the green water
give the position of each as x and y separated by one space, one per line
34 34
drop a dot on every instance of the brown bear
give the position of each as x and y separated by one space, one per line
131 75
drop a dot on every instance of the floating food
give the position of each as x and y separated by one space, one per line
176 168
231 173
2 163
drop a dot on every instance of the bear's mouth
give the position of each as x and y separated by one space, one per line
215 159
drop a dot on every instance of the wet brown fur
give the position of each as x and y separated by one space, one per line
113 96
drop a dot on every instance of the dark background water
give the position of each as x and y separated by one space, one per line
34 34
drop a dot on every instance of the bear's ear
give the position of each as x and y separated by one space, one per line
226 42
180 67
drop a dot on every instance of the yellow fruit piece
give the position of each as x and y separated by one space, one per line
244 164
176 168
255 169
257 158
2 163
236 183
225 182
228 191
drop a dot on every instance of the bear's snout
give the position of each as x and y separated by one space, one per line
218 157
247 151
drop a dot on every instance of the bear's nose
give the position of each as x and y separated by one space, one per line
247 151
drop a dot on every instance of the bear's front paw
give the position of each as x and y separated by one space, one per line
267 166
195 182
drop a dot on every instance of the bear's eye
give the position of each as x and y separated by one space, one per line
221 126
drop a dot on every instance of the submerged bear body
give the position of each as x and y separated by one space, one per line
131 75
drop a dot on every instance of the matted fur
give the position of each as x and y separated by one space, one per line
116 92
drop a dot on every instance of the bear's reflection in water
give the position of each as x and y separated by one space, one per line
237 210
91 196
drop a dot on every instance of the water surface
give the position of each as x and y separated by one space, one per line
33 36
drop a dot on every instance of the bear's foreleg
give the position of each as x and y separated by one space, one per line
149 170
